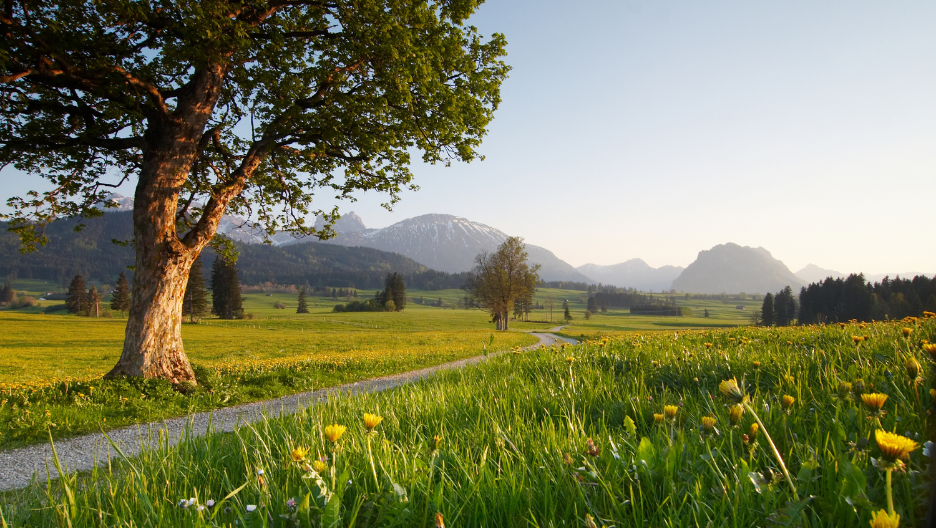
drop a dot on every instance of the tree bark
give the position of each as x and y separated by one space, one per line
153 340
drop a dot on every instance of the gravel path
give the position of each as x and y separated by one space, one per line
18 466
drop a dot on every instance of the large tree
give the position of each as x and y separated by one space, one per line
218 106
499 279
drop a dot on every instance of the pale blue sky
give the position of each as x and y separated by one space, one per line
659 129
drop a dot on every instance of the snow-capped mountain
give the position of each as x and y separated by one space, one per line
441 242
445 243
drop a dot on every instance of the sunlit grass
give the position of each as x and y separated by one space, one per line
533 439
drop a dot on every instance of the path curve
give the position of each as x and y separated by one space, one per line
81 453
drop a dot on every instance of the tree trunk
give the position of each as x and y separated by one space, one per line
506 319
153 339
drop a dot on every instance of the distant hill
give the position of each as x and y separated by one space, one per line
813 273
730 268
635 273
445 243
91 253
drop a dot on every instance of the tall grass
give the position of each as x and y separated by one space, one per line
551 437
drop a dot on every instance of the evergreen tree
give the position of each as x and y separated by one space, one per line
195 300
592 304
120 300
567 315
76 300
767 310
784 307
225 290
303 306
94 302
394 290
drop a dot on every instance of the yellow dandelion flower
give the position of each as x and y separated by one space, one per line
570 359
670 411
858 339
298 454
434 443
893 446
787 401
907 331
734 414
884 520
319 466
708 345
708 423
913 367
752 432
874 400
439 521
931 349
371 421
334 431
657 418
844 389
731 390
756 365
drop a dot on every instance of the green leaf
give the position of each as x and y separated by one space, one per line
630 426
331 517
646 452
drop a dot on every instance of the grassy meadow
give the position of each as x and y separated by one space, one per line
631 430
51 364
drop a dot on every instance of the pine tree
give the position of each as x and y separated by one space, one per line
121 297
76 300
303 306
394 291
568 314
195 301
767 310
784 307
225 290
94 302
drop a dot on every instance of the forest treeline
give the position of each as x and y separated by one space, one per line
92 254
841 300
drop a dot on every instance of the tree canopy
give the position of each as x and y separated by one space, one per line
276 99
245 107
499 279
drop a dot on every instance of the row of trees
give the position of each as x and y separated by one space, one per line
779 309
82 301
391 299
841 300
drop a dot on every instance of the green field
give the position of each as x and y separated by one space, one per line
563 437
51 363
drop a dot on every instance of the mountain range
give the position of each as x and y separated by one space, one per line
427 244
634 273
444 243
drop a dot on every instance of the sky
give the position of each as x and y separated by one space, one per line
654 130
